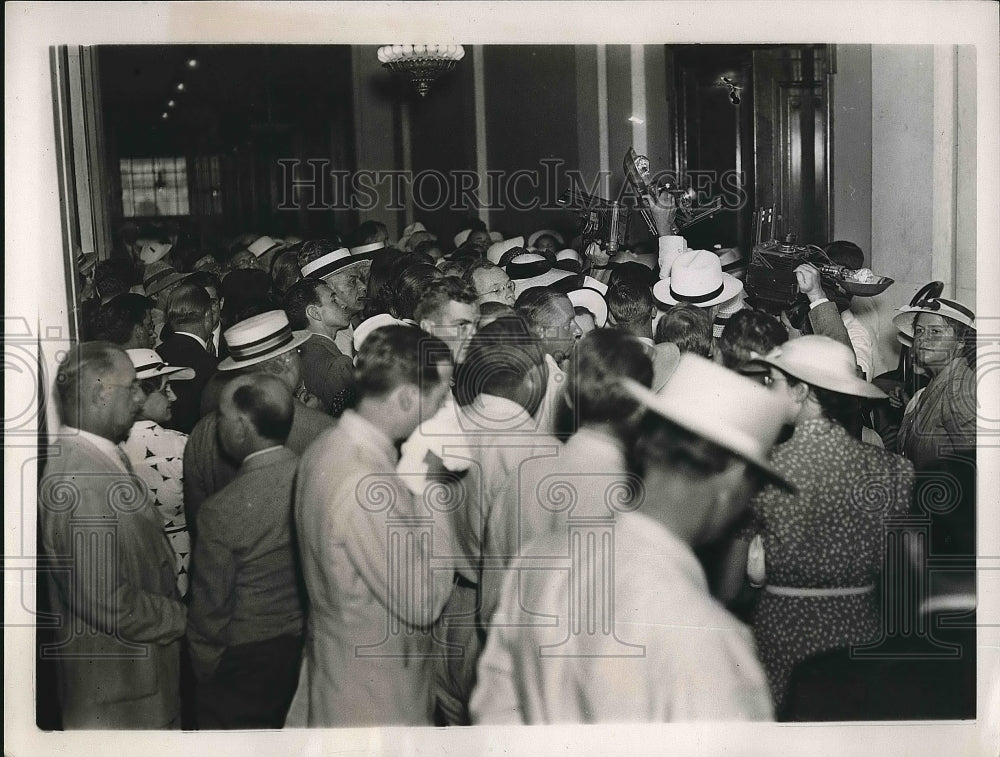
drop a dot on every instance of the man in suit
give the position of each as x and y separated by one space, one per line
119 661
349 509
190 320
264 343
328 373
245 623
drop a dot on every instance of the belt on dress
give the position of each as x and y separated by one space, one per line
795 591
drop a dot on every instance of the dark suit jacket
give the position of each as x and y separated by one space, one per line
328 373
122 618
207 470
244 584
179 349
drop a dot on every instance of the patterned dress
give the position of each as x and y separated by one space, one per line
829 535
157 455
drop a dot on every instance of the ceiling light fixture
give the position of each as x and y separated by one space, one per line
192 63
421 64
171 103
180 86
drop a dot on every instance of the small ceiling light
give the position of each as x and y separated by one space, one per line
171 103
166 115
192 63
180 86
636 120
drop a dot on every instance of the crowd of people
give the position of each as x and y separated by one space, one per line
360 481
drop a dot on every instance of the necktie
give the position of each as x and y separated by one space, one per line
210 346
125 461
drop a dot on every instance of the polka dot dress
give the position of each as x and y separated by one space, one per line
827 535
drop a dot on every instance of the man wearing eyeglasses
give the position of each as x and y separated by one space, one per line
118 655
491 282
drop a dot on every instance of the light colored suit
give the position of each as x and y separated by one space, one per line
122 618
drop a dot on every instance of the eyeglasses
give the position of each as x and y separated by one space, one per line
508 287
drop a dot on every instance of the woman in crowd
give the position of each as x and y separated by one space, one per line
157 453
822 545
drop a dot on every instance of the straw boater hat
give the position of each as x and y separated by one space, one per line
151 250
696 277
263 245
260 338
823 362
732 261
158 276
721 406
148 364
329 264
85 261
366 251
950 309
496 250
592 300
727 310
530 269
545 232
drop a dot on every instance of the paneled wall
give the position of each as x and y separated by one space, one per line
903 172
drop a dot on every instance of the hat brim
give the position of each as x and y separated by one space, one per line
175 372
170 280
548 278
850 385
155 255
731 286
592 300
691 420
903 320
298 337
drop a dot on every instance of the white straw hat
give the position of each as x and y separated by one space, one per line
721 406
497 249
593 301
821 361
148 364
151 250
696 277
260 338
263 245
369 325
329 264
955 311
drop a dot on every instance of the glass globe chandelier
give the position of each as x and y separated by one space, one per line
421 64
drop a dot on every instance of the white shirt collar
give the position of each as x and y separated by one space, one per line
200 341
260 452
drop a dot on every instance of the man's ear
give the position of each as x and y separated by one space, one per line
312 312
800 391
427 325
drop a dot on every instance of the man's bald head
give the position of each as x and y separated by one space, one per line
255 412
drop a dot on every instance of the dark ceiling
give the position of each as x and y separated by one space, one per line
232 88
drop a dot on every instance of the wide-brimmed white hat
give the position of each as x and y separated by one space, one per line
696 278
369 325
496 250
151 250
721 406
329 264
148 364
955 311
263 245
593 301
545 232
821 361
732 261
530 269
260 338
